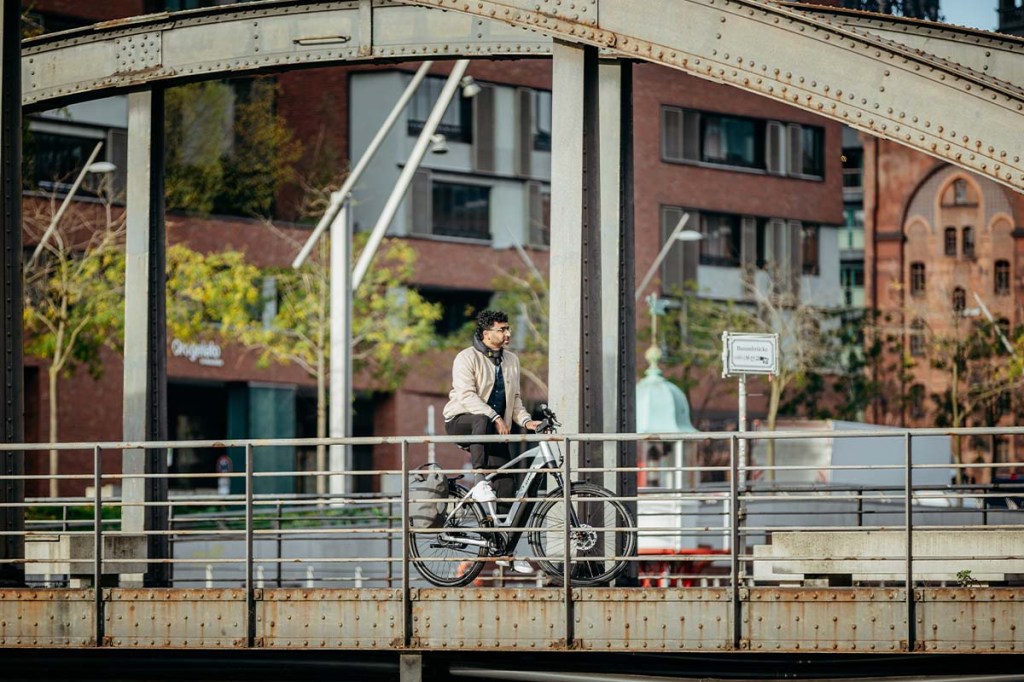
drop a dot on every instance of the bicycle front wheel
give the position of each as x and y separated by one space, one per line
450 555
601 533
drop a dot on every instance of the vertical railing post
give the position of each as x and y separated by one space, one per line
734 542
97 519
280 543
908 484
406 592
250 596
570 634
389 538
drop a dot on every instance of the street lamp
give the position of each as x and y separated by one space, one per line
91 166
678 234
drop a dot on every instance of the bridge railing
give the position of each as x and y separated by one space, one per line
705 518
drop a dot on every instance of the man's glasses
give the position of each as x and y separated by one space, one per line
501 330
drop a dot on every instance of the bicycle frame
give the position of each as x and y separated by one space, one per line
545 462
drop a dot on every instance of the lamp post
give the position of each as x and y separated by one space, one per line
91 166
680 234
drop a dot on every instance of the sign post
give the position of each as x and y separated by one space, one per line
744 354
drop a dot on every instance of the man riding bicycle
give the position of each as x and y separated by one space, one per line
485 398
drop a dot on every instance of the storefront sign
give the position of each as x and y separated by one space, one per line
205 353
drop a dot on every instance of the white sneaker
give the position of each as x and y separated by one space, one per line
517 566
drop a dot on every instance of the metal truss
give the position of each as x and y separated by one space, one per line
868 82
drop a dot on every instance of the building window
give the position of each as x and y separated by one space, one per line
1002 277
917 338
806 150
722 238
915 401
950 241
853 161
462 210
459 307
917 279
457 122
959 299
810 249
773 146
56 159
968 242
1003 332
852 277
680 134
732 141
960 195
539 214
542 121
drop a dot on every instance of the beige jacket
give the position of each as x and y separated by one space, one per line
473 381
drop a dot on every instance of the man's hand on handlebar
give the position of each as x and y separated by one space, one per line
532 424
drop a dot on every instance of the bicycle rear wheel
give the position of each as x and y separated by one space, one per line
450 555
593 542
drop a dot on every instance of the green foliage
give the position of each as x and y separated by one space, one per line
225 153
965 579
208 292
74 293
198 134
390 322
263 156
524 296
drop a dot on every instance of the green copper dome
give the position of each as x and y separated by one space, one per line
661 407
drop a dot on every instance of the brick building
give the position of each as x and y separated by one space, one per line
762 182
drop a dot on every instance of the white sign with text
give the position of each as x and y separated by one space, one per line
744 353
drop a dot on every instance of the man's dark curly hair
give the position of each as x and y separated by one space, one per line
486 319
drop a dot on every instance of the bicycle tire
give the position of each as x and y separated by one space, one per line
547 535
436 556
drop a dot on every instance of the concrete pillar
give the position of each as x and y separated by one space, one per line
145 355
12 404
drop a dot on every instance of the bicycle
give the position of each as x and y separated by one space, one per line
468 530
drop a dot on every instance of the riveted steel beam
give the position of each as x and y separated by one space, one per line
193 45
873 84
996 55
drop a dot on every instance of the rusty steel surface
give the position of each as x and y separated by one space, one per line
47 618
967 111
173 618
972 619
828 619
329 618
773 619
487 618
653 619
876 85
215 42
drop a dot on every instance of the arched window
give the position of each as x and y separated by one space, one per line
959 299
917 279
968 242
950 241
1002 277
917 338
960 192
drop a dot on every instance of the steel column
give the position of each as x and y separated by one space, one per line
565 327
12 407
145 357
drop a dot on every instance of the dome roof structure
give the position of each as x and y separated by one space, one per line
661 407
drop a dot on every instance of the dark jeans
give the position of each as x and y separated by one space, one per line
481 456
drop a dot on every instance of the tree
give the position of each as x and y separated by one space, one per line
524 296
804 348
391 323
227 148
74 296
981 377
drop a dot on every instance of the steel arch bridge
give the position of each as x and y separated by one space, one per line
952 93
